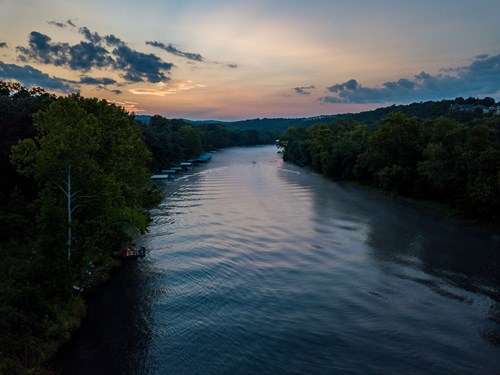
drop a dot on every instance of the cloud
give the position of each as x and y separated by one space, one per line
101 52
3 45
170 88
139 66
97 81
29 76
58 24
188 55
90 36
171 49
85 56
127 106
82 56
42 50
480 78
112 40
69 22
104 88
304 90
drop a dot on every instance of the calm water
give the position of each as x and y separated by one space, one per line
260 267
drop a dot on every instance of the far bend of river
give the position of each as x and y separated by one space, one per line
260 267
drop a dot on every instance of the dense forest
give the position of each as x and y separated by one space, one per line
452 160
66 162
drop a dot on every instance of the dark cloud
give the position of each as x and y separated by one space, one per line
3 45
134 66
231 66
349 85
42 50
58 24
481 77
104 88
97 81
138 66
69 22
171 49
30 76
90 36
113 41
84 56
304 90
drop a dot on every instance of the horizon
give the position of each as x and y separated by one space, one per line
234 60
497 102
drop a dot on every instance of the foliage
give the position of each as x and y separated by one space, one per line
392 154
101 148
17 105
102 145
439 159
172 141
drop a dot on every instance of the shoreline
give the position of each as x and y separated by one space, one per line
432 207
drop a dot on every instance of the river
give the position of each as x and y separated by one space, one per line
260 267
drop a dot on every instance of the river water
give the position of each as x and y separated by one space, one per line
260 267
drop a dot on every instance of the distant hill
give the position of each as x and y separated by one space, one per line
200 122
143 118
422 110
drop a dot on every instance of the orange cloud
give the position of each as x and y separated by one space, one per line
164 89
127 106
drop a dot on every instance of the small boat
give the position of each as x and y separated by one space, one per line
127 251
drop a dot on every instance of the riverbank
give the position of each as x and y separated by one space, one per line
432 207
113 309
70 317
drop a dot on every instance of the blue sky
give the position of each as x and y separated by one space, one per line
262 58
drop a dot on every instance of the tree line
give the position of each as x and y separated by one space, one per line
172 140
439 159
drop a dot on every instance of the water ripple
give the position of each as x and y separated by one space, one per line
266 268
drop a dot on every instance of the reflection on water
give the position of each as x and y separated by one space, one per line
261 267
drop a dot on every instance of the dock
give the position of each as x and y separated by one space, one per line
183 166
160 176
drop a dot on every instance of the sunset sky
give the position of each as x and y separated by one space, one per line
230 60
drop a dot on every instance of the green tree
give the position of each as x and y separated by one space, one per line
297 148
392 154
321 144
109 176
190 141
17 105
482 159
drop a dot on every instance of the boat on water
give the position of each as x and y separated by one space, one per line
128 251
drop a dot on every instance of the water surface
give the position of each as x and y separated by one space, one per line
258 266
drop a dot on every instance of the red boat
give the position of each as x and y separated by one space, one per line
129 252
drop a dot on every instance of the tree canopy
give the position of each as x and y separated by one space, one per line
95 149
439 159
